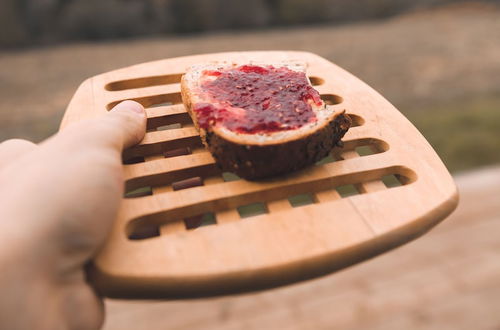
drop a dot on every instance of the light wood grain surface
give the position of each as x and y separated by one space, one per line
284 244
447 280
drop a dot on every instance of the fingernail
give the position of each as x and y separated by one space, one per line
130 106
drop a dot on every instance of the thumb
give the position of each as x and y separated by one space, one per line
123 127
131 118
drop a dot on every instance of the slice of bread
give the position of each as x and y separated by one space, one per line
257 140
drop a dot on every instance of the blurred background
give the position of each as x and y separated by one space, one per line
438 61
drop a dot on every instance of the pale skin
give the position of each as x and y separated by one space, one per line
58 200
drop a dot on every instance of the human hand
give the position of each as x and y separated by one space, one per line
57 204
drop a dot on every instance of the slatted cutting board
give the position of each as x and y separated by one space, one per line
386 187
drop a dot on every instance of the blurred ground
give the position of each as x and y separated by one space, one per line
448 279
433 61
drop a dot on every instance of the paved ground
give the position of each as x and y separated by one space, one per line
414 60
448 279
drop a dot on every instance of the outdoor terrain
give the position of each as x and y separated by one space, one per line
441 68
46 22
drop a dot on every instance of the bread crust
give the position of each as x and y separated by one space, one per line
254 161
261 161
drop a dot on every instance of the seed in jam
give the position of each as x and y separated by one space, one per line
257 99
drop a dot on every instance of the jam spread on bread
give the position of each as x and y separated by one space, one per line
254 99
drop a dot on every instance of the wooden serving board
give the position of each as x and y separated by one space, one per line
386 187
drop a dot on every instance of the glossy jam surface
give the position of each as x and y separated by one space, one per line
257 99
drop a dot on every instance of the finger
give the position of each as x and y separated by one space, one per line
125 115
11 150
122 127
68 191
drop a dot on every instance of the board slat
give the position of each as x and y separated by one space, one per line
164 171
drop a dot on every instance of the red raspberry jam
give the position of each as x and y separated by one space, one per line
256 99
